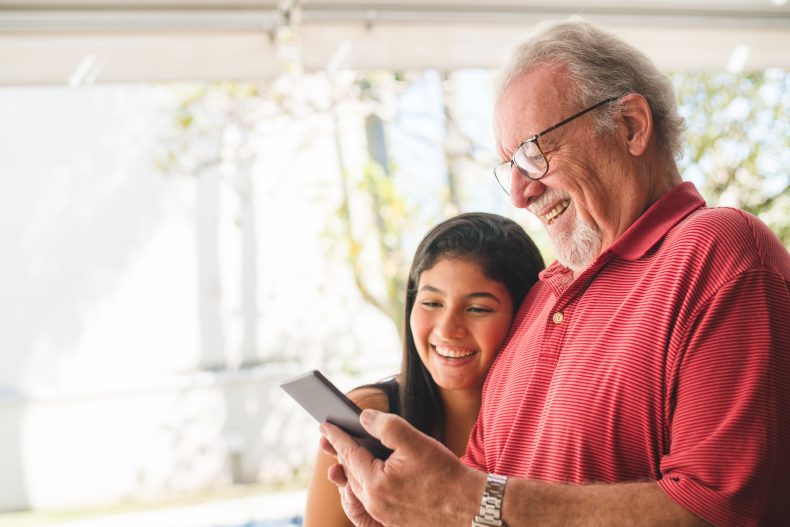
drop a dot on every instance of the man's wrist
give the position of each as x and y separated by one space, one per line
490 512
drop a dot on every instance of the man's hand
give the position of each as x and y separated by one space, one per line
351 505
421 483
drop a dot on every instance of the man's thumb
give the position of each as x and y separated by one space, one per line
393 431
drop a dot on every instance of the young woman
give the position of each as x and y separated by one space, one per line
467 280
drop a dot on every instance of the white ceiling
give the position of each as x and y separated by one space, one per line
59 41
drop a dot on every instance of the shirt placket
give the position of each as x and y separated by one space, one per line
568 293
557 319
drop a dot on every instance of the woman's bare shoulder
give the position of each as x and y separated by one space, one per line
370 397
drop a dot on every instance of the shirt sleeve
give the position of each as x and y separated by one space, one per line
475 453
728 421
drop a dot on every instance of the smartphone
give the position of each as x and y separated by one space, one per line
327 404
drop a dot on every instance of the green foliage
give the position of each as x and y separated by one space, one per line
737 150
377 216
736 147
390 211
371 236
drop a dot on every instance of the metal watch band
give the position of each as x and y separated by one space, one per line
490 514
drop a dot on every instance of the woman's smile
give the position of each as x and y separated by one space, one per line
459 320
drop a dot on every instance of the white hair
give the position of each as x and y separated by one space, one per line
600 66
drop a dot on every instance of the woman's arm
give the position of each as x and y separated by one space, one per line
323 500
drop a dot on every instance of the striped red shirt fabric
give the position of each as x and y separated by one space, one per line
667 360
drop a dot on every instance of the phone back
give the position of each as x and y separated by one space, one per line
326 403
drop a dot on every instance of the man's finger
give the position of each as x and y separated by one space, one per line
337 475
327 447
355 510
349 452
352 482
342 443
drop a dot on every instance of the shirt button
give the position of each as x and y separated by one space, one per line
558 317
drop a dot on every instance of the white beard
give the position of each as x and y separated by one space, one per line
577 250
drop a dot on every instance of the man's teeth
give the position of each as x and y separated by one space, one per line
452 353
556 211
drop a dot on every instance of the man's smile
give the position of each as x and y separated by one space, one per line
559 208
550 205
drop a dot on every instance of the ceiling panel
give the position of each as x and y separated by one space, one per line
143 40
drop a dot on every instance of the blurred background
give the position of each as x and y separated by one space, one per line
199 199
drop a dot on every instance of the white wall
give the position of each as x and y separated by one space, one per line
120 284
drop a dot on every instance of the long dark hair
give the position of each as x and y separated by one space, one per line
504 253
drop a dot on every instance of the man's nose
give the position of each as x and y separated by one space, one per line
522 189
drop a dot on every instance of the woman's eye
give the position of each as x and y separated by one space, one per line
430 303
479 309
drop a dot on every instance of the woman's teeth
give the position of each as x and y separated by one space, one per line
453 353
556 211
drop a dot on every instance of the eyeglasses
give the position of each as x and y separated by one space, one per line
529 158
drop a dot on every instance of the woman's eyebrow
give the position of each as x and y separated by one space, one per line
484 294
476 294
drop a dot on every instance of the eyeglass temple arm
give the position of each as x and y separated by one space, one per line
574 116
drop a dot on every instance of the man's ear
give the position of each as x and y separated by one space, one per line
638 120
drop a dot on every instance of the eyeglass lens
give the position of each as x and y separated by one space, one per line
528 159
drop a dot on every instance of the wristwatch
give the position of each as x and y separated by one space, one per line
490 514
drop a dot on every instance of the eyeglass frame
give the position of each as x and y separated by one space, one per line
534 139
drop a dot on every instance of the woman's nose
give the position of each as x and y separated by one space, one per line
450 326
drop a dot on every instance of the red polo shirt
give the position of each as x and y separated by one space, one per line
668 359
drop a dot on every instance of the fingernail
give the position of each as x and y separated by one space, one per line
368 417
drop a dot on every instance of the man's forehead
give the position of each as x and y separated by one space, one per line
515 121
537 82
529 103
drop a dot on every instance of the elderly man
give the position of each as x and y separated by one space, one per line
645 381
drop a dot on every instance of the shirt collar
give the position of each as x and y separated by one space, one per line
557 277
657 221
643 234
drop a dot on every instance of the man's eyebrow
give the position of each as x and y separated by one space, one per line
500 150
510 152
